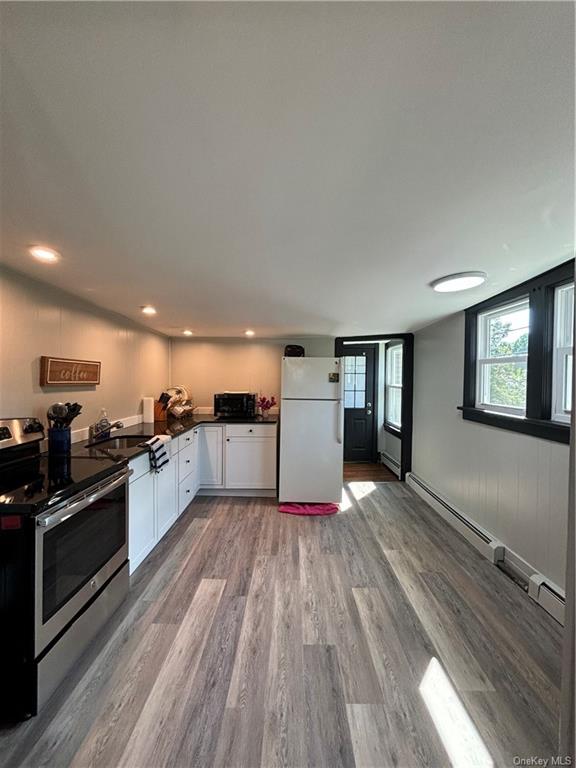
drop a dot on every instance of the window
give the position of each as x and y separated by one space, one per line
354 381
393 393
502 360
563 352
518 357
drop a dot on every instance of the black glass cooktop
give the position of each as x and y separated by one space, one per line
32 484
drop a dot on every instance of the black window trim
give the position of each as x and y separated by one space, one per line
388 427
537 421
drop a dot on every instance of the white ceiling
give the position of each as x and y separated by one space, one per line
294 168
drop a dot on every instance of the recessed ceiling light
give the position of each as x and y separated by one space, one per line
148 309
188 333
47 255
461 281
249 332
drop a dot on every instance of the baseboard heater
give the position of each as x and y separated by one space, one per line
540 589
390 462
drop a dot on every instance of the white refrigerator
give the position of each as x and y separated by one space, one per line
311 430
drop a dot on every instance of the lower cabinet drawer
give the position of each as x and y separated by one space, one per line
186 461
186 491
251 430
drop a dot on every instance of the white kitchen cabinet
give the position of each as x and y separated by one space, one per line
200 459
165 488
188 470
187 459
141 519
250 462
186 492
210 453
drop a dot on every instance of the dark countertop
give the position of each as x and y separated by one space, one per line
40 480
172 427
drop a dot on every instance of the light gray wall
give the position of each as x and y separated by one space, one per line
37 319
216 365
515 486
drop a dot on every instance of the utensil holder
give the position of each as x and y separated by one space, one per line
59 440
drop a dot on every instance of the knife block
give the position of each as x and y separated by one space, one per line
160 413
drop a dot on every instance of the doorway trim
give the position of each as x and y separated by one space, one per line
374 436
407 385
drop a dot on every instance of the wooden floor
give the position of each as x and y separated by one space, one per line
377 473
252 638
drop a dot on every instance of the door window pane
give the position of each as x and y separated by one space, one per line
360 399
354 381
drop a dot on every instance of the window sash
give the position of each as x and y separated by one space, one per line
485 360
538 417
393 409
394 366
563 352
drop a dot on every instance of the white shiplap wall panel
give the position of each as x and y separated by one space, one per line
515 486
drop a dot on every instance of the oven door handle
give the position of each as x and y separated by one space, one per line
50 519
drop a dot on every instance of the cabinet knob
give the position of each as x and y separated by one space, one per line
187 490
187 461
250 430
227 439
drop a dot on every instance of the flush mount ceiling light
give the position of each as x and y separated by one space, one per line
248 332
148 309
460 281
188 332
46 255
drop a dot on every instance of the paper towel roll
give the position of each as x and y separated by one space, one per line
148 409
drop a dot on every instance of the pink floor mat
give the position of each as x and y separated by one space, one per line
292 508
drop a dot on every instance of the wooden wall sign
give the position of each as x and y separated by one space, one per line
59 371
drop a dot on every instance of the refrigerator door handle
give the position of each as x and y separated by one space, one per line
340 428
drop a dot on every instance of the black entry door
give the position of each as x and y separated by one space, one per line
359 412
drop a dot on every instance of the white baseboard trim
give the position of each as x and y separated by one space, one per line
260 492
390 462
541 589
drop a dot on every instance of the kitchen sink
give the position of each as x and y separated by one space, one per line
117 443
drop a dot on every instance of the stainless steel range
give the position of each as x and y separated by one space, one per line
63 560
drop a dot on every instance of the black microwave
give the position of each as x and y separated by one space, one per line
235 405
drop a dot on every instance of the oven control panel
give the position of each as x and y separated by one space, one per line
18 431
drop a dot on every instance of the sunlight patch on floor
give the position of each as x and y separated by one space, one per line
361 489
458 733
345 502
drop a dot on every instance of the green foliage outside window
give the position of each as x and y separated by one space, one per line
507 381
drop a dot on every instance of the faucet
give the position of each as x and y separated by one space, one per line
101 428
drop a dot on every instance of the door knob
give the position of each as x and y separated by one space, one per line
369 412
368 405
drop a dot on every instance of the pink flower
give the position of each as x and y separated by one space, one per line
265 403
